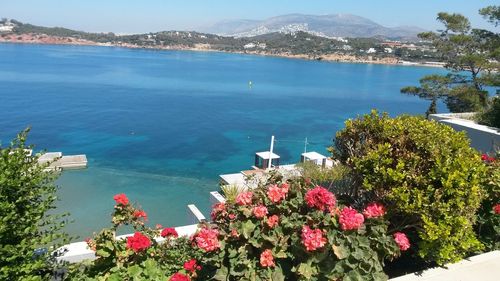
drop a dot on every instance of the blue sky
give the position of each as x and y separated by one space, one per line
133 16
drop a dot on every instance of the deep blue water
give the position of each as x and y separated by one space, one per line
161 126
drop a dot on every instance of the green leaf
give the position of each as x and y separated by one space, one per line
340 251
248 227
221 274
306 270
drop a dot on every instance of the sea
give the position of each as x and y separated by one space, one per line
161 126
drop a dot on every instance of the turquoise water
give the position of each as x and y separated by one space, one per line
161 126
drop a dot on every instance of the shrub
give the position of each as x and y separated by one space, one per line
296 231
488 226
27 233
425 172
491 116
139 256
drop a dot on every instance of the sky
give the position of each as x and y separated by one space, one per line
140 16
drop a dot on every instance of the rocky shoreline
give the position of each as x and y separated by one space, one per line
333 57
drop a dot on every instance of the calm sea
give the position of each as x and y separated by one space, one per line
161 126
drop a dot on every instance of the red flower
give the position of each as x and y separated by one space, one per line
267 259
374 210
121 199
350 219
272 221
218 209
141 214
320 198
138 242
206 239
277 193
496 209
232 216
169 232
158 226
402 241
312 239
260 211
234 233
191 266
244 198
179 277
487 158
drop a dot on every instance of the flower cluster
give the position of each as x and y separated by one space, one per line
191 266
402 241
218 209
277 193
320 198
267 259
496 209
486 158
272 221
207 239
260 211
244 198
121 199
138 242
140 214
169 232
179 277
374 210
350 219
312 238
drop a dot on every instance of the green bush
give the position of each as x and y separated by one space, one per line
425 172
28 234
491 116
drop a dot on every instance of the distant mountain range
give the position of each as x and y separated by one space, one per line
338 25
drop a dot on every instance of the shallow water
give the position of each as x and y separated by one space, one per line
161 126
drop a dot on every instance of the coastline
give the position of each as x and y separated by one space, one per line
332 57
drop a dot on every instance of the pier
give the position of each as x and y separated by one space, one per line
59 162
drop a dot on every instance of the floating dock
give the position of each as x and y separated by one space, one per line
59 162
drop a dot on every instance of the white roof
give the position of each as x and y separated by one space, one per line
265 155
313 155
234 179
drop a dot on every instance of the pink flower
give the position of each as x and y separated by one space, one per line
138 242
402 241
206 239
350 219
141 214
169 232
320 198
191 265
374 210
496 209
244 198
267 259
232 216
277 193
272 221
179 277
121 199
234 233
312 239
260 211
218 209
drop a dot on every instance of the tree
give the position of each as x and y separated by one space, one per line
471 54
28 234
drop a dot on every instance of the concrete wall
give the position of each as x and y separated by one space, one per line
483 138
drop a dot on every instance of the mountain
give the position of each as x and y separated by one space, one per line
338 25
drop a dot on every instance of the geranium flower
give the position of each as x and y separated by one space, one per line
179 277
272 221
320 198
260 211
218 209
374 210
244 198
206 239
277 193
350 219
138 242
169 232
267 259
234 233
312 239
141 214
402 241
121 199
496 209
191 266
